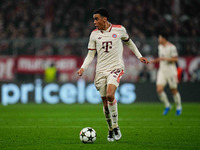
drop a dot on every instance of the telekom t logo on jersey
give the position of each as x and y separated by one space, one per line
107 45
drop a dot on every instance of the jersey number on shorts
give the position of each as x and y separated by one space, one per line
117 73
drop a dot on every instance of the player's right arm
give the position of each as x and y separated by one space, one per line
90 55
87 61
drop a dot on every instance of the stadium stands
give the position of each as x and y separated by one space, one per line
24 25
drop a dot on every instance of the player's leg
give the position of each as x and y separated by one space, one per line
107 113
112 84
163 97
110 137
160 85
173 84
177 100
100 83
112 106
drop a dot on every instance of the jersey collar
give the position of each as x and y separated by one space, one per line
108 30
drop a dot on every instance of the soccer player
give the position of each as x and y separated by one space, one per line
106 40
167 73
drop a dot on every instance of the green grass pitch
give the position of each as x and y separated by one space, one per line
57 127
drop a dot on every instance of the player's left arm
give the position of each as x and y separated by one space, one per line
135 50
132 46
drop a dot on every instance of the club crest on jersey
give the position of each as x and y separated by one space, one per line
114 35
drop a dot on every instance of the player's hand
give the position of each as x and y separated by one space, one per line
156 60
144 60
80 71
153 61
165 59
162 58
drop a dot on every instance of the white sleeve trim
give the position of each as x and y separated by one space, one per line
88 59
133 47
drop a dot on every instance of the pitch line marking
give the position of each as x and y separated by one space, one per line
123 127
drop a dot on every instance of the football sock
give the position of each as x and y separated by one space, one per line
163 97
177 100
112 106
108 119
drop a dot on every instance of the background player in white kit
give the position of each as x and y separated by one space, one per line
106 40
167 73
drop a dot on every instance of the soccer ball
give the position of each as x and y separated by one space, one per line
88 135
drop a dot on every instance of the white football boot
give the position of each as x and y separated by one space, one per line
117 134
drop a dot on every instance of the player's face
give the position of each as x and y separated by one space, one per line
161 39
99 21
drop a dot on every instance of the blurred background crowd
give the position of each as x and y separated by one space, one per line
44 21
50 27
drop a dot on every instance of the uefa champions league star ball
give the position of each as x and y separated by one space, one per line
88 135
